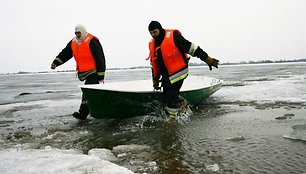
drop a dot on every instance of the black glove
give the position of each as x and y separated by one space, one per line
156 85
212 62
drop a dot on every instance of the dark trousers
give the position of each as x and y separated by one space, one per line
171 93
91 79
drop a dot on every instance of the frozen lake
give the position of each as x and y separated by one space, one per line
256 123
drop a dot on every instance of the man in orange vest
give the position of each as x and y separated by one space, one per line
168 56
90 62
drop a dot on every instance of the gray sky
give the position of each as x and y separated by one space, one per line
35 31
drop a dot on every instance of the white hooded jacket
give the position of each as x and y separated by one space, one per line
82 29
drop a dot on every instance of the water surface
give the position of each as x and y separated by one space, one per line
256 123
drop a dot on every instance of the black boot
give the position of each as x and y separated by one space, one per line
79 116
83 112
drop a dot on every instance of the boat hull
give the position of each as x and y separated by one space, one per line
117 103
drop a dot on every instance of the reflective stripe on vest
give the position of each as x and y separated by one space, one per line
82 54
179 76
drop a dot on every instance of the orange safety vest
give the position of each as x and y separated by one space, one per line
82 54
175 62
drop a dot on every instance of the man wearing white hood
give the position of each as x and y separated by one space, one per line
90 62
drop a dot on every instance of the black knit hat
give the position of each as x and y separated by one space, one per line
154 25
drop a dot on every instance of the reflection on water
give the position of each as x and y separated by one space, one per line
254 124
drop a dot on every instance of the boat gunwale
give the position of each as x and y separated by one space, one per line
214 82
90 87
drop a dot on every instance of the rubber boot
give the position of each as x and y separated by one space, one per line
83 112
